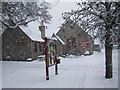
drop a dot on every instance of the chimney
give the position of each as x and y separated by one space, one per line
42 29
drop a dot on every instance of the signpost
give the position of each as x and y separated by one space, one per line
50 55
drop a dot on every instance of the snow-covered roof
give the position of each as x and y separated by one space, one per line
59 39
32 31
52 38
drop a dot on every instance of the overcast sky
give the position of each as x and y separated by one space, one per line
56 12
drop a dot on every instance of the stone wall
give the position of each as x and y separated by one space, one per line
16 45
60 49
74 34
40 50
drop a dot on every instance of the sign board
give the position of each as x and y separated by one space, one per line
83 44
50 55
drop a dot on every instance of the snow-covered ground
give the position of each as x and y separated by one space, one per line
74 72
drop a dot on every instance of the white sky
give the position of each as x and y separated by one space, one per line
56 12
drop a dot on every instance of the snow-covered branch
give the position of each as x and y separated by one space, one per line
17 13
98 17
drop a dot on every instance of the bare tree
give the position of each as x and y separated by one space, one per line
101 18
21 13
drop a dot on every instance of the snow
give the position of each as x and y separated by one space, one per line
68 1
32 31
74 72
29 59
97 41
41 57
86 52
52 38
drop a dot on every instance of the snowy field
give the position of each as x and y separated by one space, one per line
74 72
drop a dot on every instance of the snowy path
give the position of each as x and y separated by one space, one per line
74 72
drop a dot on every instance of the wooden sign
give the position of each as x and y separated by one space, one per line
50 56
84 44
21 43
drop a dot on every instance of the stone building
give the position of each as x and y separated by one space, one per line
60 45
76 40
23 42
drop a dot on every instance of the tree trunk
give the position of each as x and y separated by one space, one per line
108 57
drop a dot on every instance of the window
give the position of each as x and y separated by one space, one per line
71 27
40 47
68 41
63 30
78 34
73 43
35 47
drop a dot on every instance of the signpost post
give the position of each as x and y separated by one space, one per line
50 55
